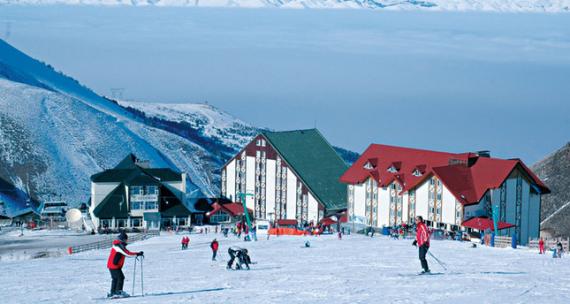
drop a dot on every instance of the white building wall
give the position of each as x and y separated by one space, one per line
291 195
250 182
359 200
231 180
447 207
99 191
383 207
313 209
405 208
422 199
270 188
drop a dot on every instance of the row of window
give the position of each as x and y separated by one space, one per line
143 190
144 205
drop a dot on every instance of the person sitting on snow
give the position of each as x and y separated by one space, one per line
242 256
115 264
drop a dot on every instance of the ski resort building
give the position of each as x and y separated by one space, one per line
287 175
391 185
134 196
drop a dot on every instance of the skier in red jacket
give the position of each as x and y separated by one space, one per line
115 264
214 245
422 241
541 246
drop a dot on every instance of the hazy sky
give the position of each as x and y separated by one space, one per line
445 81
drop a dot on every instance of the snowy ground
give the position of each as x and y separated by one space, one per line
354 270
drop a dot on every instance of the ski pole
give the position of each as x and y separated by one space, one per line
142 276
437 260
134 276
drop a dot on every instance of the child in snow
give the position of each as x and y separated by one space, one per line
115 264
214 245
541 246
185 241
559 250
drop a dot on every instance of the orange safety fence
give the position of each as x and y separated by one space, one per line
286 231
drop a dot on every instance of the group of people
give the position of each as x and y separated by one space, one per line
184 242
557 250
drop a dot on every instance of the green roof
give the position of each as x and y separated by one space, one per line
128 172
316 163
114 204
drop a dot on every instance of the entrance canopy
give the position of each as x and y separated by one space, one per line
483 223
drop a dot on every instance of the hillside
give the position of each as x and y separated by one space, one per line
55 133
554 170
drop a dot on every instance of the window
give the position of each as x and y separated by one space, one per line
368 166
151 190
136 190
136 222
121 223
136 205
258 142
150 205
220 217
417 173
392 169
182 222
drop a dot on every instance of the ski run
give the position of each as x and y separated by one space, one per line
356 269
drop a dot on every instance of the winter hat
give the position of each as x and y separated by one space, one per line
123 236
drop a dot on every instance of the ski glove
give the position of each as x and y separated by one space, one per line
415 243
140 253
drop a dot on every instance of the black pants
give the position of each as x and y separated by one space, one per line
214 253
423 251
118 280
233 255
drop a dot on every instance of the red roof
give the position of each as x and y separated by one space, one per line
467 175
483 223
233 209
330 221
286 222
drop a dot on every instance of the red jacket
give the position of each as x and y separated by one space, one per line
214 246
117 255
422 234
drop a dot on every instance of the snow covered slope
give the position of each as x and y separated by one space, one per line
433 5
354 270
56 133
208 120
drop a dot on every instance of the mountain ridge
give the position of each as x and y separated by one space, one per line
427 5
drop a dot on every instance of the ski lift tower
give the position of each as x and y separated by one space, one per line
242 197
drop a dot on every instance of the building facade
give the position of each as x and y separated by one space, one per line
134 196
287 175
390 185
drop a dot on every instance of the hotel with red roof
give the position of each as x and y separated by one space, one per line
390 185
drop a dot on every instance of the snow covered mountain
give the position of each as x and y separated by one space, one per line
432 5
55 133
554 170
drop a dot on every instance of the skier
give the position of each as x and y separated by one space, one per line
541 246
241 255
214 245
183 243
422 241
559 250
115 264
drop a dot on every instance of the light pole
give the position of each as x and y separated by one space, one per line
242 197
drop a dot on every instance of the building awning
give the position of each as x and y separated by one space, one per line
286 222
330 220
483 223
151 216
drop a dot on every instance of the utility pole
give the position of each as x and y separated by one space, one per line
242 197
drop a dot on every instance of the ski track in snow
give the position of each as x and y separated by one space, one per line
353 270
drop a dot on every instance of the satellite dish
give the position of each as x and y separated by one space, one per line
74 219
